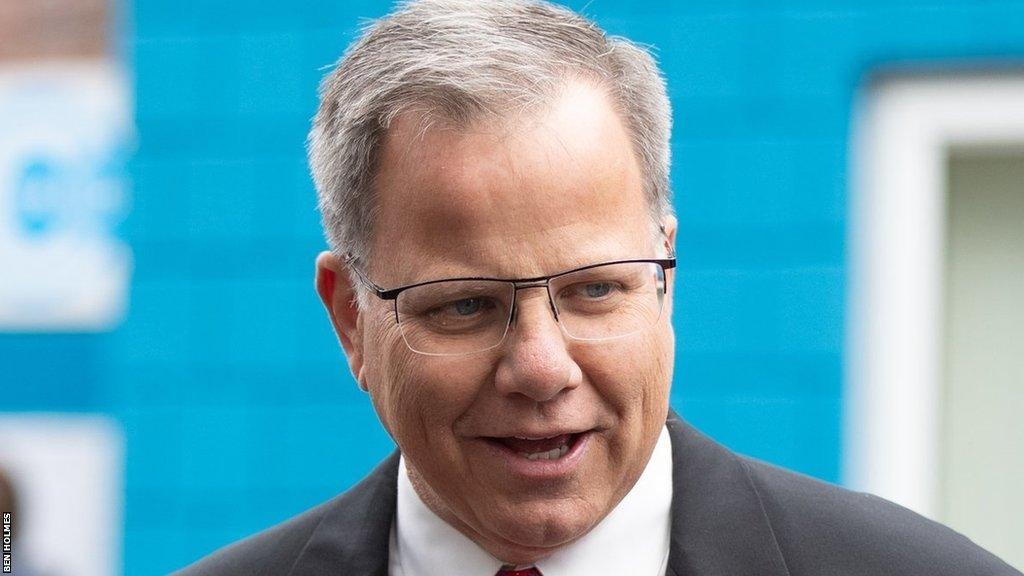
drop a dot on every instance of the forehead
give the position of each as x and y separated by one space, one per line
557 188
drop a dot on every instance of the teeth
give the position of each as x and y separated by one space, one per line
553 454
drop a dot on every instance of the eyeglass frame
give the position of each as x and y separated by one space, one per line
517 283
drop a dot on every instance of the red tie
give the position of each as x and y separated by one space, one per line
531 571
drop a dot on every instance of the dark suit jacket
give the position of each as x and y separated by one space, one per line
731 516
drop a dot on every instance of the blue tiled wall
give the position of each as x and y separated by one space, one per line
238 408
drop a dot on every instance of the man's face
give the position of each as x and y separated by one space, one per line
533 196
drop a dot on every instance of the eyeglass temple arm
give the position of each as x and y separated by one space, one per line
671 248
350 261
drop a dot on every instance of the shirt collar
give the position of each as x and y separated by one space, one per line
422 543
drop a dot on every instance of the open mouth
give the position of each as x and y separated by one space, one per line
551 448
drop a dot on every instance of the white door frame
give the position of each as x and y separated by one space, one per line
902 134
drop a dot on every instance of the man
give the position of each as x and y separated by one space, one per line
493 180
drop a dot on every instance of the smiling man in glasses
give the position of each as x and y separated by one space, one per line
493 178
511 321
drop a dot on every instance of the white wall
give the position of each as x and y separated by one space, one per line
902 133
68 472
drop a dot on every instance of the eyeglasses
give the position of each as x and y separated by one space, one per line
595 303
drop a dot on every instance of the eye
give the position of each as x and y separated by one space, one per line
463 309
597 289
590 292
467 306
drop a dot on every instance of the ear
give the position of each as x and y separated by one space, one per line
334 285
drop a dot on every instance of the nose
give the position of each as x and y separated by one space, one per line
536 363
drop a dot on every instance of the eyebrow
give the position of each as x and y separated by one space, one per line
392 293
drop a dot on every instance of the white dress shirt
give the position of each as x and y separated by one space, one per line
633 539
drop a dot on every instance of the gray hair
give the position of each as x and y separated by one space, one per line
459 60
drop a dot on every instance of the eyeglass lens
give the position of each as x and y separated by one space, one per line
464 316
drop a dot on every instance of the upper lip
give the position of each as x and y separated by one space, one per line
538 434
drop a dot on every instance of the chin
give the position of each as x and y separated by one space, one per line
538 529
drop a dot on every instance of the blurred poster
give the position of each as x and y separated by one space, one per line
63 490
65 131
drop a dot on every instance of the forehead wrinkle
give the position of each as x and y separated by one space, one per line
539 176
551 243
507 134
487 201
513 134
512 257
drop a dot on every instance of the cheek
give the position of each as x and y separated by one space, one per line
388 365
660 358
630 373
632 379
614 371
418 398
665 343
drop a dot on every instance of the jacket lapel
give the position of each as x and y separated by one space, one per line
719 527
352 537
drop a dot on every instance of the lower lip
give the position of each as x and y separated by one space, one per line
541 469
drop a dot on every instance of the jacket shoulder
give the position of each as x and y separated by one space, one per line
825 529
271 552
351 530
